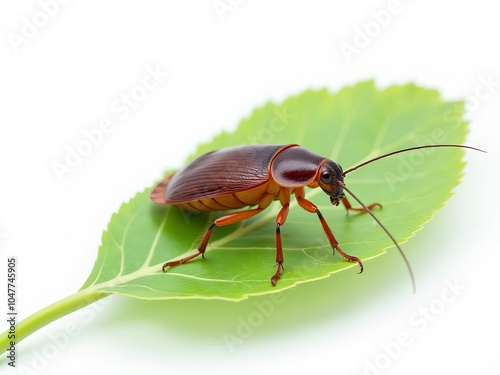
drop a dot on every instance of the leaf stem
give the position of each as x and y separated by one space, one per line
50 313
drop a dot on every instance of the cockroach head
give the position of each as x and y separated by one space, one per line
329 175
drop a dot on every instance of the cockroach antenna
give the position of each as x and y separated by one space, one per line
367 210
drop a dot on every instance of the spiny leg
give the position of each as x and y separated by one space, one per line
228 219
311 207
280 220
348 206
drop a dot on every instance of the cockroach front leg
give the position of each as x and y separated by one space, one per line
348 206
311 207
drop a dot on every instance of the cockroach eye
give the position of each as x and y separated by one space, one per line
326 177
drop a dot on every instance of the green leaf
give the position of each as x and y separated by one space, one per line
348 127
353 125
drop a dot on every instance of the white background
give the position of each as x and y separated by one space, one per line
64 79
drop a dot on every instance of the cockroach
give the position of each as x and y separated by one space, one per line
257 175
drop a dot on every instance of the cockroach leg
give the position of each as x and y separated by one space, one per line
280 220
348 206
311 207
228 219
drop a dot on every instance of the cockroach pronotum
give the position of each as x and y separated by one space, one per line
257 175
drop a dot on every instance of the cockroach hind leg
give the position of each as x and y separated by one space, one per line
181 261
201 250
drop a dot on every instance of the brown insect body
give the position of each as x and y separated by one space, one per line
220 180
253 175
239 176
256 175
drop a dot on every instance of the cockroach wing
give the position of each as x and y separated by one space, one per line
216 173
